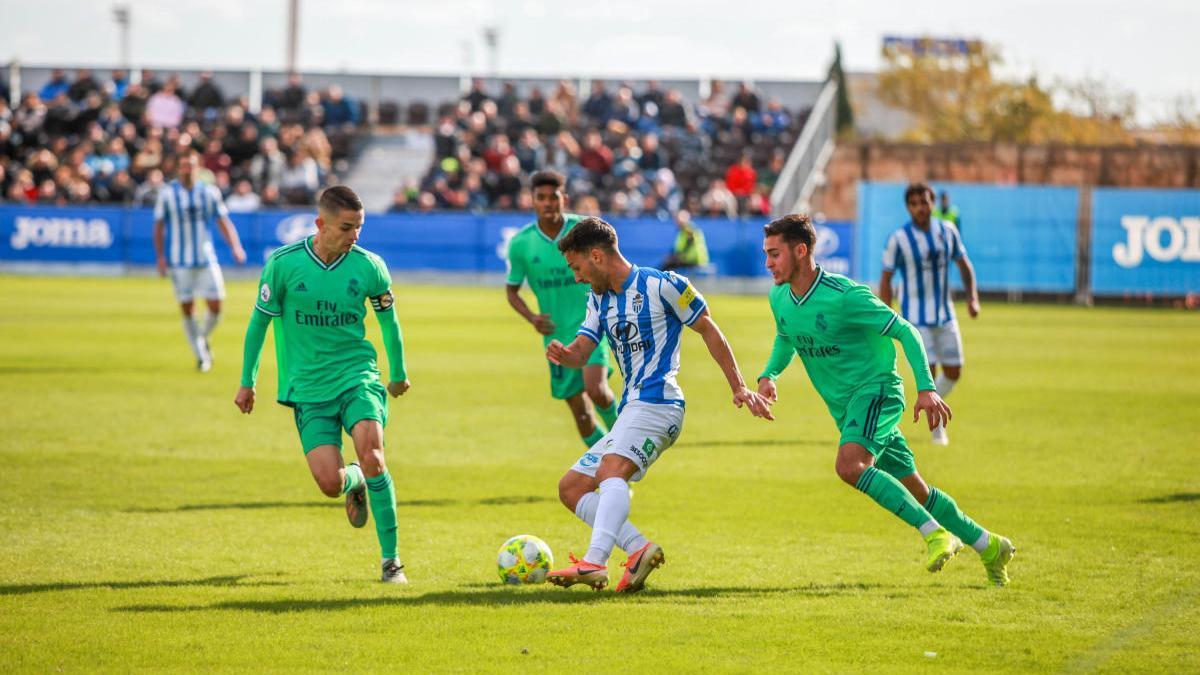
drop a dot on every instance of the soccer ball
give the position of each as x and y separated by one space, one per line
524 559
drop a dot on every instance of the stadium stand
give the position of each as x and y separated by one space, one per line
648 153
86 141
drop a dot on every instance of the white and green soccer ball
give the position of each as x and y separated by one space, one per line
524 559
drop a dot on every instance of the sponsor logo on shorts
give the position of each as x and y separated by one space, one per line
649 447
640 455
589 459
673 430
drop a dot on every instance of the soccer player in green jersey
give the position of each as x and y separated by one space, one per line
844 335
315 293
562 303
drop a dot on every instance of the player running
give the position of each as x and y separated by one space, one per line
188 207
641 312
921 252
315 292
533 254
844 335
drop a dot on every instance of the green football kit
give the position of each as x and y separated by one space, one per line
326 366
844 336
534 256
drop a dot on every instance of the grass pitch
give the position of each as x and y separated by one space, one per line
145 524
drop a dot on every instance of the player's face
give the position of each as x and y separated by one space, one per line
548 202
782 259
340 229
586 270
920 206
187 167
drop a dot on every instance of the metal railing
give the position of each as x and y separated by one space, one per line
806 163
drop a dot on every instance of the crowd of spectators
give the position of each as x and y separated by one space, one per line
115 141
645 153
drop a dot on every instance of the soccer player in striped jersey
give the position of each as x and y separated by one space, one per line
641 313
315 293
844 335
184 210
921 252
533 255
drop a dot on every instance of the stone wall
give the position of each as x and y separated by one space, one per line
1133 166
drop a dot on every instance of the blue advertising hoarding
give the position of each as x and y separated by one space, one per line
1017 237
1145 241
449 242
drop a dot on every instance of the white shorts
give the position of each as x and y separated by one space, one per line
943 344
198 282
642 432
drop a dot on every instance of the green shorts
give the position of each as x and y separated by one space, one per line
872 419
322 423
567 382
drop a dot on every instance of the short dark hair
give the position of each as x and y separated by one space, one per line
918 189
589 233
795 228
547 177
338 198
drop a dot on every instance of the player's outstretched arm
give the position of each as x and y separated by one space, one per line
722 353
231 237
574 355
256 333
393 344
885 287
781 356
967 270
541 322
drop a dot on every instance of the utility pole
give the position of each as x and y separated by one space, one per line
293 29
121 15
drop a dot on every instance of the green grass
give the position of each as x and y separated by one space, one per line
145 524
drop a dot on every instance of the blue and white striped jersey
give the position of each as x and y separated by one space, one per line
188 215
643 323
922 261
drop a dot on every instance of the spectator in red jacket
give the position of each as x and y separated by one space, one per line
741 177
596 157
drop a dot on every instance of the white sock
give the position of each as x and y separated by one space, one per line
192 332
629 538
611 512
981 543
944 385
210 322
929 526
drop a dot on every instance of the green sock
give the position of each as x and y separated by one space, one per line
947 513
382 496
354 478
609 414
891 495
594 438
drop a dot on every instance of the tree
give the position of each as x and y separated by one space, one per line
845 112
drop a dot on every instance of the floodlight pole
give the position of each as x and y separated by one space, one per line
292 33
121 15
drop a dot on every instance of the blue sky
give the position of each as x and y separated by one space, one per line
1149 47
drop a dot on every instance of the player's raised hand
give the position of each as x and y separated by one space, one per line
239 255
397 389
556 352
543 324
767 390
759 406
244 399
936 411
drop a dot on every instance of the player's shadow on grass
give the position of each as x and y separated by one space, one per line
230 580
401 503
1172 498
753 443
493 596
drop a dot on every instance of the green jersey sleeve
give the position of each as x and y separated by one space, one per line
516 263
865 311
270 290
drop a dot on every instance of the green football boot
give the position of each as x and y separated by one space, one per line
942 547
995 557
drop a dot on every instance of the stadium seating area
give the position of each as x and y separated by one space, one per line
644 153
84 140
